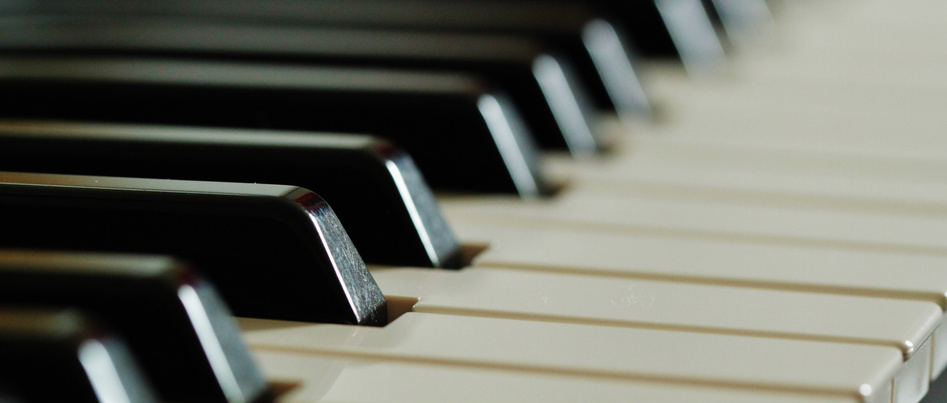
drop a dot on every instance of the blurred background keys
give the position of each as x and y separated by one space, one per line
745 22
463 136
60 356
173 322
375 189
588 39
542 84
272 251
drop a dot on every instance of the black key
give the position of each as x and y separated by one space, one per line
60 356
463 136
173 321
664 29
273 251
374 188
542 85
598 50
670 28
741 22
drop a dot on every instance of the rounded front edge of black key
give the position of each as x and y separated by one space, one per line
60 355
275 252
368 305
514 144
173 322
376 190
440 245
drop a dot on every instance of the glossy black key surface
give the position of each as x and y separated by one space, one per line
273 251
174 323
670 28
597 48
374 188
552 102
60 356
664 29
463 136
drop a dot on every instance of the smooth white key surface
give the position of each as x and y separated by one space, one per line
733 362
623 302
326 379
693 152
705 261
708 218
692 167
815 130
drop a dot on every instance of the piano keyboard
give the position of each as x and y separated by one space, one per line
776 234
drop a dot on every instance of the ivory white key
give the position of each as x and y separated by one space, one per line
598 352
862 273
845 98
884 27
877 66
812 130
654 256
696 169
319 378
704 218
647 304
694 153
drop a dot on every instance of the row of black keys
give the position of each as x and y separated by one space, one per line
462 86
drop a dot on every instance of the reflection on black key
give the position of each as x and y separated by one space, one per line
670 28
463 136
588 39
273 251
59 356
375 189
175 325
552 102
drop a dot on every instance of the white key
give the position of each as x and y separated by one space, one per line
665 168
862 273
696 155
733 362
802 113
755 188
622 302
711 219
865 273
866 65
316 378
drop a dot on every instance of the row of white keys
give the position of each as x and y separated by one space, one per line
649 304
866 24
626 302
584 209
873 83
445 347
718 262
709 217
618 302
598 352
691 168
601 301
851 117
327 379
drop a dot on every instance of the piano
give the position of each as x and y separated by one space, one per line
774 234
